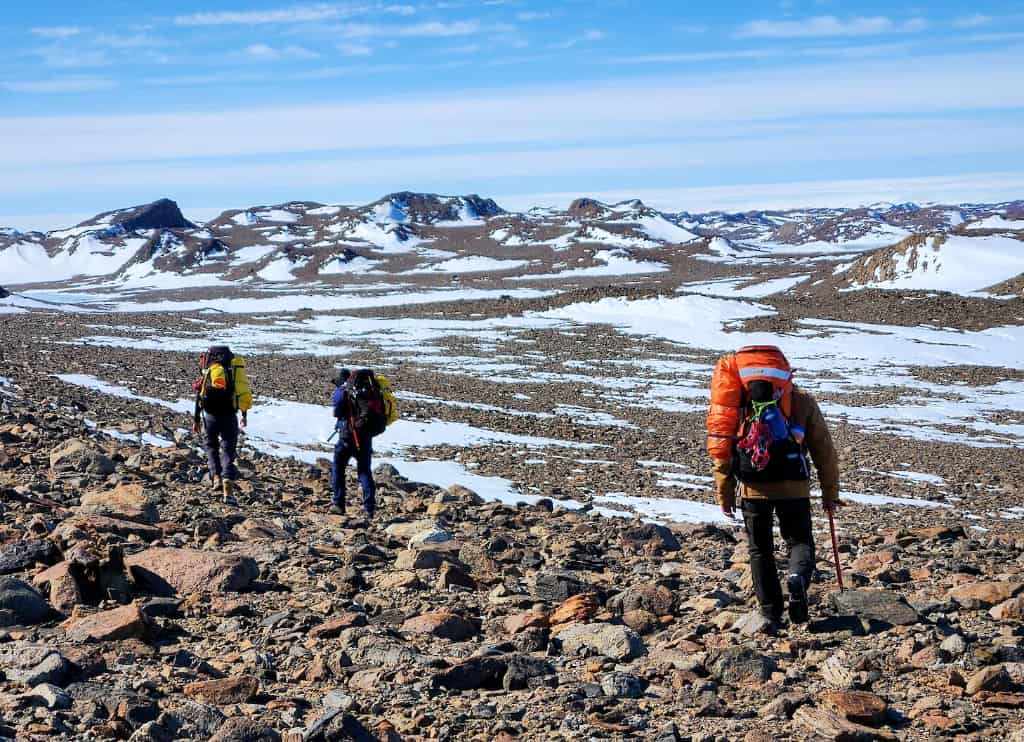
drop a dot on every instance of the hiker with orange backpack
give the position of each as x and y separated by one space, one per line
221 393
363 406
761 429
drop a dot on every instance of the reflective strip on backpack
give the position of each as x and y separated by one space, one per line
773 373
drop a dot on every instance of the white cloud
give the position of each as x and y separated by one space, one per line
56 32
663 109
527 16
828 26
61 56
432 29
587 37
60 85
265 52
972 21
296 14
355 50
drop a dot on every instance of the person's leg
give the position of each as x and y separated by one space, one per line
212 445
342 453
229 447
757 518
364 466
795 526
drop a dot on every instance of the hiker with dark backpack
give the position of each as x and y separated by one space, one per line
761 429
222 391
363 406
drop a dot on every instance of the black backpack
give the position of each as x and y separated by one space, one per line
214 400
366 404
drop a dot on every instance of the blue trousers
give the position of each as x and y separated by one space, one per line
343 451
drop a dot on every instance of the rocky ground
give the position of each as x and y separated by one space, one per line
136 605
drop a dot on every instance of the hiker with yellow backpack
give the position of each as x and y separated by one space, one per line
761 429
364 406
222 391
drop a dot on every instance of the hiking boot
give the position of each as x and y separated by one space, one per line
230 489
336 509
797 599
216 485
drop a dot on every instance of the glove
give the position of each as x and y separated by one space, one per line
245 419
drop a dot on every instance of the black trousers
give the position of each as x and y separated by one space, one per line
795 526
221 444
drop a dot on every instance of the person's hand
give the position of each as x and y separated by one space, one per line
832 506
728 505
727 510
195 428
245 420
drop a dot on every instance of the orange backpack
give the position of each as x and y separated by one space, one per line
730 392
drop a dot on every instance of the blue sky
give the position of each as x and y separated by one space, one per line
227 104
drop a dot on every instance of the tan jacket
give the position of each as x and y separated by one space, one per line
818 442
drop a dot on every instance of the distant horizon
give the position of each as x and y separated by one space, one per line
849 194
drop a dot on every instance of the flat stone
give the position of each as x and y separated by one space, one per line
241 729
993 678
742 666
126 622
607 640
859 707
557 586
223 691
442 624
259 529
882 606
430 558
70 528
169 571
825 724
76 455
754 623
333 627
523 621
21 604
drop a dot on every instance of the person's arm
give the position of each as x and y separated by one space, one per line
339 402
725 485
823 454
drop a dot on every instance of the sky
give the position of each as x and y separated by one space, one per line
691 106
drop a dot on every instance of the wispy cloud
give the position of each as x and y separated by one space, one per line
430 29
56 32
62 56
311 13
60 85
265 52
355 50
587 37
972 21
826 26
528 16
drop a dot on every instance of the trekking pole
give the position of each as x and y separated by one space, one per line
835 548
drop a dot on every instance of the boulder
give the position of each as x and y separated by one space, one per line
859 707
649 538
170 571
557 586
61 585
656 599
442 624
993 678
31 664
78 456
20 555
882 606
21 604
50 696
71 529
606 640
126 622
577 609
742 666
223 691
1011 610
977 595
125 501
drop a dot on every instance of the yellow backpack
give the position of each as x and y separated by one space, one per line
390 403
224 386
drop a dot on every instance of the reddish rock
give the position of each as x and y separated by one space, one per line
859 707
871 562
61 586
125 501
126 622
1011 610
977 595
993 678
71 528
523 621
578 608
442 624
333 627
166 571
223 691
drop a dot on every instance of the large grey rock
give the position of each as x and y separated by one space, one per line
50 696
31 664
607 640
622 685
742 666
557 586
78 456
20 603
882 606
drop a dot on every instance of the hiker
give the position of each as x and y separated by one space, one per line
761 429
363 406
221 392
